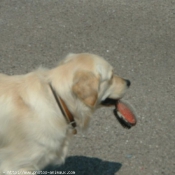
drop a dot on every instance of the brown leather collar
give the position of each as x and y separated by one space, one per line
65 111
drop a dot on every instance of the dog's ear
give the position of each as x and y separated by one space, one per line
85 87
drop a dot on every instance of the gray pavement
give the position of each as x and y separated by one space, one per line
138 39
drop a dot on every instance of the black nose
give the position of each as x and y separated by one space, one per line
128 83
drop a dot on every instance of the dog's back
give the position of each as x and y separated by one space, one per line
26 102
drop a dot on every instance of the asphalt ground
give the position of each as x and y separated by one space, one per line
138 39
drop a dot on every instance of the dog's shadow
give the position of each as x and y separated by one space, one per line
81 165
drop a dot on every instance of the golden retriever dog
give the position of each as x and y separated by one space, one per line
41 110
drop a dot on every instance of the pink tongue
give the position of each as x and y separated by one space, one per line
126 112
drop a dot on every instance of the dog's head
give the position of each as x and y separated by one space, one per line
94 81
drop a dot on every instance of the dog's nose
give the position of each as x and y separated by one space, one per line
128 83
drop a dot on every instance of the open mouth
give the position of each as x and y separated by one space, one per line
109 102
122 112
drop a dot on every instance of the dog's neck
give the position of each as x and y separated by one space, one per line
64 109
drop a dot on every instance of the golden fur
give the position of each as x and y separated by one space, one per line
33 131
